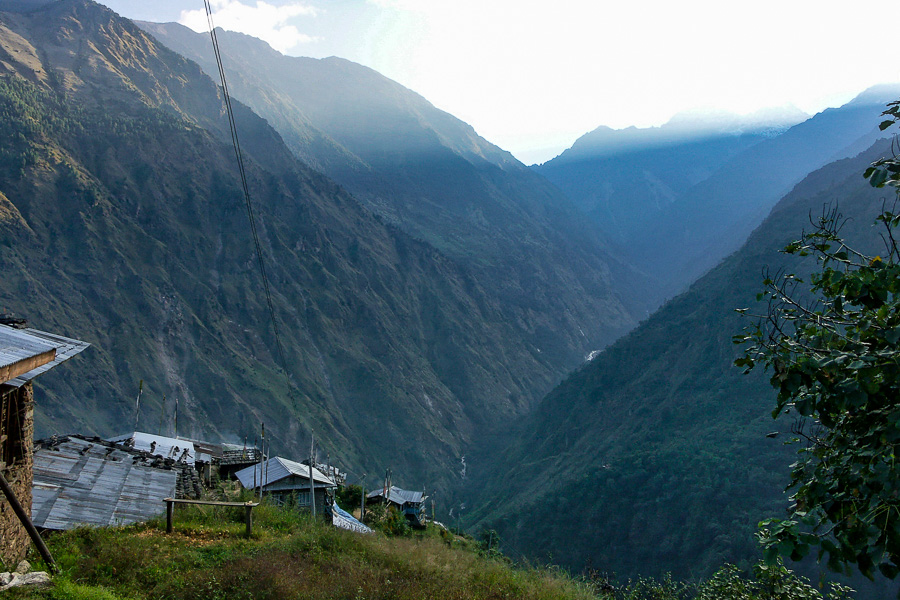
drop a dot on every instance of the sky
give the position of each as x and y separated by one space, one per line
533 75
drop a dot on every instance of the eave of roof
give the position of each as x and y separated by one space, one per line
21 352
63 349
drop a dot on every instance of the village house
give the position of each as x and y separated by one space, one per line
24 354
407 502
234 458
285 481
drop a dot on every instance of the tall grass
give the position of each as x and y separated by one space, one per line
289 556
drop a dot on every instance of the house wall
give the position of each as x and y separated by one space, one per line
16 464
300 497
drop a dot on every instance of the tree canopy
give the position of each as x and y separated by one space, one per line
833 347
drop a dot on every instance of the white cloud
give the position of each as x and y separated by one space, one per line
525 70
265 21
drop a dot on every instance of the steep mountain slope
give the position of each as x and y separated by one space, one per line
626 178
434 177
653 457
122 223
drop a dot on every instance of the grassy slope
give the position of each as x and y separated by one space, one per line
653 457
287 557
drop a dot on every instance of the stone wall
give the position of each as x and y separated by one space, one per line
16 460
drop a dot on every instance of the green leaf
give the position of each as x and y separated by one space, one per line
878 178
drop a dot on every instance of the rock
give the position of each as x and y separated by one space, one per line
23 567
35 579
5 578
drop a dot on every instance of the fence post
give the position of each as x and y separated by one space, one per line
170 508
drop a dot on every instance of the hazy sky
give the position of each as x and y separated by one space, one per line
531 76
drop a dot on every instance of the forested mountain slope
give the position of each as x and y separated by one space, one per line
654 457
434 177
122 223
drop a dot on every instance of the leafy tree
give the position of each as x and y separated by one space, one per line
834 352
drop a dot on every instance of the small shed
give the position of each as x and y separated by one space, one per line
408 502
287 481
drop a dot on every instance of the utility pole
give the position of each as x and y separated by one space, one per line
312 485
262 464
362 499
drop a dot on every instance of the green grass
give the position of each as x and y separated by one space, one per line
289 556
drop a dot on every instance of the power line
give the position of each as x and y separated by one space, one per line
235 142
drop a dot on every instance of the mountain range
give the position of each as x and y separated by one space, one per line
124 225
679 198
445 311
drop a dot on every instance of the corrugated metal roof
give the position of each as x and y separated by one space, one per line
276 469
78 482
32 340
21 352
399 496
167 447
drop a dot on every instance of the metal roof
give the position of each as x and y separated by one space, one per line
79 482
19 342
276 469
167 447
399 496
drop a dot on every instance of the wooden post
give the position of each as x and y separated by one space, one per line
170 509
137 405
29 526
249 518
162 415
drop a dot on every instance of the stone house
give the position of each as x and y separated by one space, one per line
24 354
